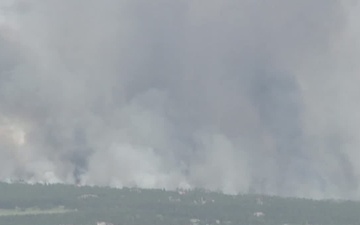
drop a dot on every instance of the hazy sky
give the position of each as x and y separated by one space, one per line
232 95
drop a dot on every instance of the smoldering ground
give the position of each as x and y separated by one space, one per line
228 95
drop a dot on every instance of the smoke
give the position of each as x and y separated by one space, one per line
228 95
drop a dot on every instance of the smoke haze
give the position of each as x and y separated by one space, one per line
230 95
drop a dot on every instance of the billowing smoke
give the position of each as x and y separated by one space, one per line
232 95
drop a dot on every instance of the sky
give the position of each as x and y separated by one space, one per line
233 96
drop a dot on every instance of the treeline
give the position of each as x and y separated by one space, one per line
132 206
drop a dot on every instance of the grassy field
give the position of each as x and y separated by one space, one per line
33 211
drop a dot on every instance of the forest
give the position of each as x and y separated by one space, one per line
55 204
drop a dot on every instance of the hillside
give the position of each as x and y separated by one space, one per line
24 204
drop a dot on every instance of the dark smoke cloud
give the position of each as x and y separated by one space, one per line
228 95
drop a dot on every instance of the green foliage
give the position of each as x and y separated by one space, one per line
24 204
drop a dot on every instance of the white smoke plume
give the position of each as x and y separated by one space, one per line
232 95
